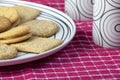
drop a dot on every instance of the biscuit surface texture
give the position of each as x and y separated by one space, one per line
10 13
16 23
5 24
37 44
26 13
42 28
15 32
7 51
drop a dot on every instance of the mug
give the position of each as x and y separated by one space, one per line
79 9
106 23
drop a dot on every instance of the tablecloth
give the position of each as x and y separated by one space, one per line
80 60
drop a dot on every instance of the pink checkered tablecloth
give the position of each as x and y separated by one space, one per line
80 60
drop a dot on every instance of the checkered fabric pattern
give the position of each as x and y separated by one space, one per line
80 60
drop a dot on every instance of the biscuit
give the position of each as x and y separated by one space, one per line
5 24
15 32
10 13
7 51
42 28
37 44
26 13
17 39
16 23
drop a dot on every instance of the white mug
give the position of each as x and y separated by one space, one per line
79 9
106 23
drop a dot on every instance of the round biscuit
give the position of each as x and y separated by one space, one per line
9 12
15 32
5 24
42 28
7 51
16 40
26 13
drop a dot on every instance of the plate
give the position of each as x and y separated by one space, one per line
66 31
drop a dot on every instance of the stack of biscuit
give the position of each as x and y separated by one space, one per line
20 31
15 34
10 18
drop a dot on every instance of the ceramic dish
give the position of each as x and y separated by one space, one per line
66 32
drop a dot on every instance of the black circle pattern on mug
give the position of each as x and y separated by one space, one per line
85 8
79 9
110 27
71 10
99 8
106 24
114 3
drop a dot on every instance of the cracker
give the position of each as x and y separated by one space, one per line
26 13
15 40
5 24
37 44
42 28
10 13
7 51
15 32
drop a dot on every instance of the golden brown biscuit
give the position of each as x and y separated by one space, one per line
17 39
26 13
16 23
37 44
42 28
7 51
15 32
10 13
5 24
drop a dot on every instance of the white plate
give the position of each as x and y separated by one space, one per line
66 32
